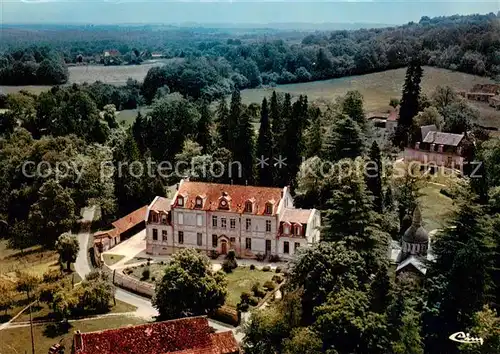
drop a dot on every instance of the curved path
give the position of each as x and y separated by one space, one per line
144 307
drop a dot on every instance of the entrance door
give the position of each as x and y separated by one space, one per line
268 246
223 246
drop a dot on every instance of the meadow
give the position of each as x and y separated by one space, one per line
377 88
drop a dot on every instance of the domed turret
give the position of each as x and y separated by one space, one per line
415 239
416 233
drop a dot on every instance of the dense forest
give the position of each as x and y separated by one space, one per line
466 43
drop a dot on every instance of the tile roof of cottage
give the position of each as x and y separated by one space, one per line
182 336
235 195
425 129
130 220
296 215
441 138
486 88
161 204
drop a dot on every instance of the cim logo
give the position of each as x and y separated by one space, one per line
462 337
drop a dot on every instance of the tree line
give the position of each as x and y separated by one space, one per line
466 43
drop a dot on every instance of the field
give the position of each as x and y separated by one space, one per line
376 88
111 259
116 75
17 340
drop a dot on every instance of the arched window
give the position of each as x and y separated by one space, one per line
298 230
248 206
199 202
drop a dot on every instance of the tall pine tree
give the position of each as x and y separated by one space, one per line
343 141
235 110
313 135
204 126
244 152
409 103
374 176
265 148
222 123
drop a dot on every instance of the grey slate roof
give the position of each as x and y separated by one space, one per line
425 129
441 138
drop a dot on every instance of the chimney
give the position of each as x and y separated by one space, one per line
78 341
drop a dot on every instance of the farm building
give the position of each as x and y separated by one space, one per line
122 229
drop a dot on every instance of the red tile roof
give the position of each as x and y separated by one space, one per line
161 204
296 215
130 220
188 335
236 195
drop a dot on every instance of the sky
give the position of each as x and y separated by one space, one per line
237 12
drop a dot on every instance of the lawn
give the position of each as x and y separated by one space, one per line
436 207
376 88
34 260
242 279
111 259
42 312
17 340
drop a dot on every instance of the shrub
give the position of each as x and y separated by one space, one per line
243 307
145 274
255 286
269 285
274 258
266 268
214 254
245 297
278 270
253 301
227 266
227 315
260 293
153 278
52 276
260 257
162 263
277 279
252 267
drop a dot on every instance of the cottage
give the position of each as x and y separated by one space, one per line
441 149
495 102
122 229
186 335
219 217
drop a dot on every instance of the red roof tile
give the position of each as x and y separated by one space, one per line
236 195
296 215
161 204
187 335
130 220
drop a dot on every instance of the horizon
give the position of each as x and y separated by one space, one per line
237 13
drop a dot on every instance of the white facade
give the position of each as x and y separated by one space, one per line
210 228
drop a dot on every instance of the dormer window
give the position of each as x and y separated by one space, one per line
164 218
286 228
298 230
180 201
248 206
223 204
199 202
154 217
269 208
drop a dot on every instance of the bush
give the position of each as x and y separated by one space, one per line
260 257
266 268
153 279
274 258
252 267
255 286
51 276
278 270
245 297
253 301
214 254
145 274
269 285
227 266
227 315
243 307
277 279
